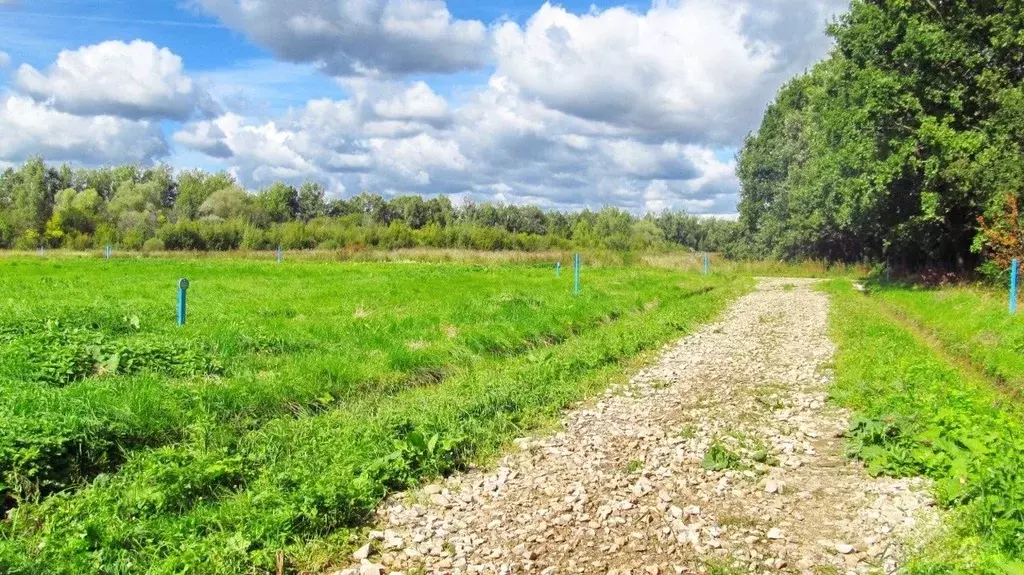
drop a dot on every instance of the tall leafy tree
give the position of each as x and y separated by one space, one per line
279 202
33 195
311 201
893 147
194 187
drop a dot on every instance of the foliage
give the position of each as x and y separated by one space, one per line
1003 238
128 206
916 414
891 148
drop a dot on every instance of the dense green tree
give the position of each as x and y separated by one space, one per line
412 210
133 196
278 203
894 146
440 211
32 195
311 201
194 187
162 178
225 204
9 179
100 179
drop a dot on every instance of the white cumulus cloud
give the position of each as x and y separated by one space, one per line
413 159
417 103
356 37
133 80
497 145
385 127
28 128
700 70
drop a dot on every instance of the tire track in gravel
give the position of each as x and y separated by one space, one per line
626 487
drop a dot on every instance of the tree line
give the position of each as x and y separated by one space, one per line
905 145
154 208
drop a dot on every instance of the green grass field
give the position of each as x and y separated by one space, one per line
296 396
921 409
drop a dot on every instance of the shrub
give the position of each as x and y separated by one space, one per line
81 242
28 241
153 245
182 236
133 240
295 236
222 236
254 238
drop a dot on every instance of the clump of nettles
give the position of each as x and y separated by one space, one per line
60 355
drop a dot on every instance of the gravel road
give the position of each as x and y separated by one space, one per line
721 457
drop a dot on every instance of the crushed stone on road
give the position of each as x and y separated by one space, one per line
724 453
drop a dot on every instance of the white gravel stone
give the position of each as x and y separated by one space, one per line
362 553
623 490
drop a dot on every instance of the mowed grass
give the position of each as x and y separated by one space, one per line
916 413
969 321
295 398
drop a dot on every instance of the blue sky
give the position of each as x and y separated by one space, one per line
565 105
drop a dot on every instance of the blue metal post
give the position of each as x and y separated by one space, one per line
577 263
707 264
279 253
107 251
1013 286
558 269
182 289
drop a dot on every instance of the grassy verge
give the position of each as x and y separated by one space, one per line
916 414
969 321
219 502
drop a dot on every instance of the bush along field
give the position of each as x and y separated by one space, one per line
919 414
294 399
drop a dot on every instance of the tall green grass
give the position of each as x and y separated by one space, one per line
92 365
917 414
233 477
970 321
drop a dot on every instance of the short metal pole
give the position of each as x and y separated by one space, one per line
182 289
1013 286
577 263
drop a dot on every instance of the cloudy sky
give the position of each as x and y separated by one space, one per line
640 104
